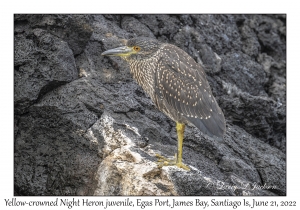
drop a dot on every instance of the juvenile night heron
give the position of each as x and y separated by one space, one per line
176 84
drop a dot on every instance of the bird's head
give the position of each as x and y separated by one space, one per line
136 48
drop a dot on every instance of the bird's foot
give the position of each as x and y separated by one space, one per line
183 166
163 161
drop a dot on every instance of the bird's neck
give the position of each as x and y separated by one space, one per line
144 73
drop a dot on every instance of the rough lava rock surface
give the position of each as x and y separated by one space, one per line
82 125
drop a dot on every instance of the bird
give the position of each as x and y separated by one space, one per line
178 87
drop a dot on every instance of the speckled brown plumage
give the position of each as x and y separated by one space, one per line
176 84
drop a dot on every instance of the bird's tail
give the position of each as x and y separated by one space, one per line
213 126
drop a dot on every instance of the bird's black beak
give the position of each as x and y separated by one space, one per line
120 51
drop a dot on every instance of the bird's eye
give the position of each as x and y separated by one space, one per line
136 48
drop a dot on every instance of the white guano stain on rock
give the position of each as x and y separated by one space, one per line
125 172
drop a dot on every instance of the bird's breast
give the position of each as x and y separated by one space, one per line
144 73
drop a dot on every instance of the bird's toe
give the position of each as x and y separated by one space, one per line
163 161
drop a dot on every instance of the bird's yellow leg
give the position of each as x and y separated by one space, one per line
163 161
180 133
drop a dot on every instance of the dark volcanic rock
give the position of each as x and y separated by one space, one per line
76 30
240 70
42 63
83 126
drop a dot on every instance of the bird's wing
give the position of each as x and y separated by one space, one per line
183 85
